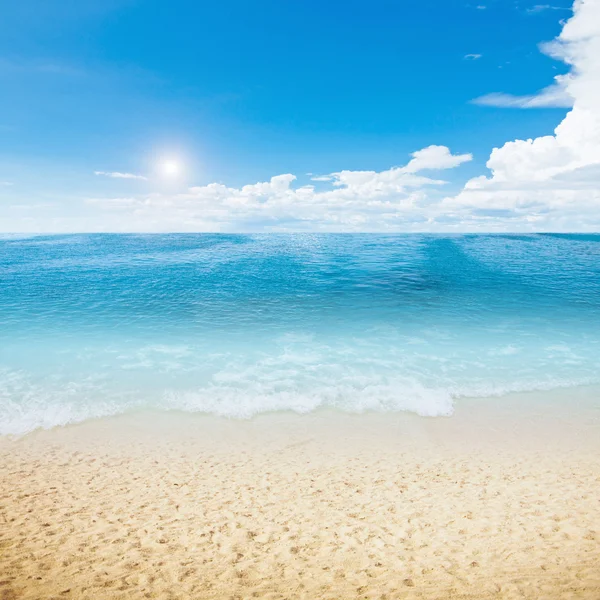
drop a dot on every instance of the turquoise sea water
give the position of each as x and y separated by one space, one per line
236 325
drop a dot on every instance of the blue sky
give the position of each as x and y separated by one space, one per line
237 92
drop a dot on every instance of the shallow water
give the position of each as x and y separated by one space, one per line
236 325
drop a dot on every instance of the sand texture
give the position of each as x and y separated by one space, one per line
297 507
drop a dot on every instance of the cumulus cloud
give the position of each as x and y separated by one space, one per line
117 175
552 181
435 157
353 200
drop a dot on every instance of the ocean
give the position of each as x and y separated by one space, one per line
237 325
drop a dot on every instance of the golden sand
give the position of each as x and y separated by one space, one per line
317 506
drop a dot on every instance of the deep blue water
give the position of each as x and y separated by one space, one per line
235 325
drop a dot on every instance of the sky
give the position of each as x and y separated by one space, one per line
438 115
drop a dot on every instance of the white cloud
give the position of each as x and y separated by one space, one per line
538 8
435 157
553 181
553 96
557 95
354 200
117 175
472 56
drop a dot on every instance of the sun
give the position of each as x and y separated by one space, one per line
171 168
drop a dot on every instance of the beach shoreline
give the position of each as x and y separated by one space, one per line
498 501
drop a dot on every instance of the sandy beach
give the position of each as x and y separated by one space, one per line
485 504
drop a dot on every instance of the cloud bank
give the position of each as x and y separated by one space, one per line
352 200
